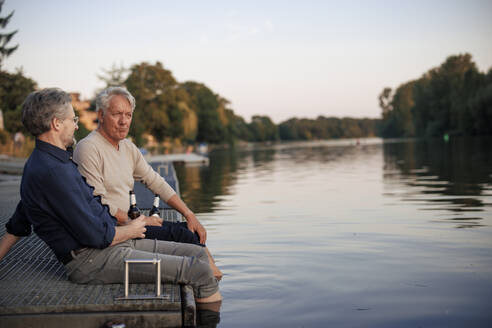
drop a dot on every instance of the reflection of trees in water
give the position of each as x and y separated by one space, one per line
465 164
260 157
200 185
462 168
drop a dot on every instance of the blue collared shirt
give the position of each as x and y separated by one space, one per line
59 204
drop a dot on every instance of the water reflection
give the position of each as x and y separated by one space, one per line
454 177
334 234
203 186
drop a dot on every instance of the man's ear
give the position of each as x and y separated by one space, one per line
100 115
56 123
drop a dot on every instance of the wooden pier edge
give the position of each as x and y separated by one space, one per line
142 319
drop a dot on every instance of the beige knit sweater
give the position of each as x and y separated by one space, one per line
112 171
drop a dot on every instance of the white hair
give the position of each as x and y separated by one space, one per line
104 97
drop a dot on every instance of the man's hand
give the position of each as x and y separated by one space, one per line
137 227
8 240
153 221
195 226
134 229
192 222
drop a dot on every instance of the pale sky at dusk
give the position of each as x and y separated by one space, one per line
275 58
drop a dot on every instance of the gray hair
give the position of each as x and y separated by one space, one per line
40 107
104 97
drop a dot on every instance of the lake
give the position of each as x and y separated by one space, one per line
341 234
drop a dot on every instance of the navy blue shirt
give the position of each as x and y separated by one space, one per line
59 204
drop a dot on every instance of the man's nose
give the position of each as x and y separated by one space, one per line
124 120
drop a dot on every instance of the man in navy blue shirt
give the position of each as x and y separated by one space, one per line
60 206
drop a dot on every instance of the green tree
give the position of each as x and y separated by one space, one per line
14 88
206 104
328 128
454 98
5 50
480 107
238 128
385 101
157 112
288 130
441 96
81 132
397 114
263 129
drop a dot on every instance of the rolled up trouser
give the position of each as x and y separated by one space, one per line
180 263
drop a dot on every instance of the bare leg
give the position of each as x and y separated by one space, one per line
212 298
217 273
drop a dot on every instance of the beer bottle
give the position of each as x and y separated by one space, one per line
154 211
133 212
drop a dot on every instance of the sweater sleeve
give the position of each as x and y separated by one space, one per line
18 225
90 163
151 179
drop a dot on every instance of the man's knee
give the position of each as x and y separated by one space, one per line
202 279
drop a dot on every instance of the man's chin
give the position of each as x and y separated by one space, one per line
123 135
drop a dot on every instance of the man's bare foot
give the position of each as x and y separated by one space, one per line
217 273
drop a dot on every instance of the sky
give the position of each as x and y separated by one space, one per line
283 59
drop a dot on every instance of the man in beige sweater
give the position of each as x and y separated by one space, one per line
111 163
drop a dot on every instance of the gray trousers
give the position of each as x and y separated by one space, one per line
180 263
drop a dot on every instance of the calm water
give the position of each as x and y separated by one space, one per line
333 234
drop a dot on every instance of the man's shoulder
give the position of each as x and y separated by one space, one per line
40 161
42 167
90 139
87 145
129 146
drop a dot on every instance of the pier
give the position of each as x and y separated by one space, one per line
35 290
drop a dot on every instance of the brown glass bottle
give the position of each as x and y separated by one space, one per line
154 211
133 212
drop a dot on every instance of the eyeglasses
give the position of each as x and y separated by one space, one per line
76 120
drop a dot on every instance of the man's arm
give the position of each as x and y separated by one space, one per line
193 224
134 229
8 240
156 183
17 227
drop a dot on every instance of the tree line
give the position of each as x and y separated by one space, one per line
452 99
190 111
